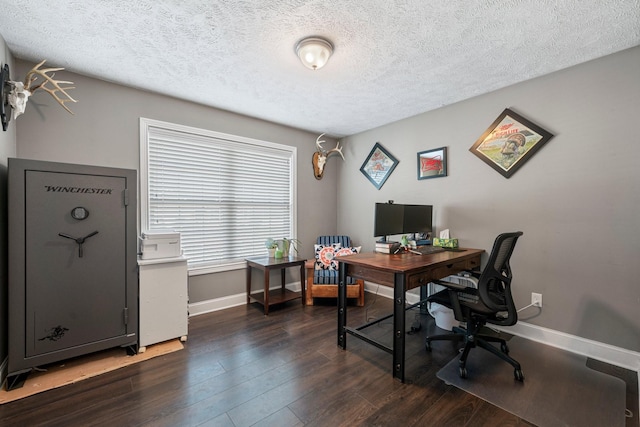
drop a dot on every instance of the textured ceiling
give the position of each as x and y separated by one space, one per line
393 58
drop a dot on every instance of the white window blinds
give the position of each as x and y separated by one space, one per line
224 194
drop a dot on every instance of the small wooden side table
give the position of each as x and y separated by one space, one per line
275 296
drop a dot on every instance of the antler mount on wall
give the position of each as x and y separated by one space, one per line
319 158
14 95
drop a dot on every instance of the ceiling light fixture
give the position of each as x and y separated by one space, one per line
314 52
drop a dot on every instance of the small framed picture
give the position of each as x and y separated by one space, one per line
509 142
432 163
378 165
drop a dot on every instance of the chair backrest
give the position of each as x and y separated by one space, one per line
345 241
494 284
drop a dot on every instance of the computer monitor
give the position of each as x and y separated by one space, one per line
388 220
392 219
417 219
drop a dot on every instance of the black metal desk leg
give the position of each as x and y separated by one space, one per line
342 306
423 297
398 326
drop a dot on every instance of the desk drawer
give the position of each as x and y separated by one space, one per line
472 264
421 279
377 276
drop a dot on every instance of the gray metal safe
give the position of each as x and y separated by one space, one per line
73 284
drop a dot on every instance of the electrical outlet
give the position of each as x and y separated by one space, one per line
536 299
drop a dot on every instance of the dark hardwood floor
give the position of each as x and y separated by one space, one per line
241 368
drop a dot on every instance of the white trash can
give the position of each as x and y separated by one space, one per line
443 315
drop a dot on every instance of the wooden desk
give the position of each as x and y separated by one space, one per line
276 296
401 272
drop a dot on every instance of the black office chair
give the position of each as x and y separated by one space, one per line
490 303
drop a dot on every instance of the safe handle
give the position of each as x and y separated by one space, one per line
78 240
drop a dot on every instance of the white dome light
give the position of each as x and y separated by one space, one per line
314 52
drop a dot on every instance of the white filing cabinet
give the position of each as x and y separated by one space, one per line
164 312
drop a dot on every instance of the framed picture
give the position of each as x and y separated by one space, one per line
509 142
378 165
432 163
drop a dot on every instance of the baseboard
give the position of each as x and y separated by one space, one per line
216 304
209 306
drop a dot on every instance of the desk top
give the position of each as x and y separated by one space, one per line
409 262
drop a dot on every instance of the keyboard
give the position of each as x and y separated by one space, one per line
426 250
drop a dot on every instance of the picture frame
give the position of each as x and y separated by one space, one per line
432 163
378 165
510 142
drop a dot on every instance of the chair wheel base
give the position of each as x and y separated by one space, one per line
504 348
462 371
518 375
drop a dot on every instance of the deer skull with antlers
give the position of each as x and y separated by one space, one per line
319 158
21 92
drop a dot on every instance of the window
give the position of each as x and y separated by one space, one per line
225 194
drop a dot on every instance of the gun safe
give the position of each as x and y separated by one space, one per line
73 283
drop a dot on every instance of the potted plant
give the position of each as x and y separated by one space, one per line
271 246
287 244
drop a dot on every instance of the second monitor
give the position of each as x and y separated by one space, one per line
391 219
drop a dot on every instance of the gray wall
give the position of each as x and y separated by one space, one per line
7 149
105 131
577 200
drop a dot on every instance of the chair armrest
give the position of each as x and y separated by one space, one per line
309 266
